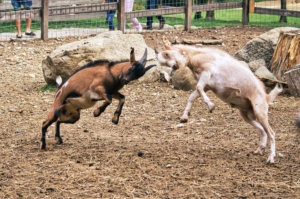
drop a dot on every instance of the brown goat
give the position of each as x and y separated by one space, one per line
99 80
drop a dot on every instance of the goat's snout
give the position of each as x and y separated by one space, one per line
124 79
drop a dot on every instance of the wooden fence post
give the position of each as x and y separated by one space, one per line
121 15
45 19
188 14
245 15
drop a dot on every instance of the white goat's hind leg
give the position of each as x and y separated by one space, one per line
204 78
186 113
249 117
261 113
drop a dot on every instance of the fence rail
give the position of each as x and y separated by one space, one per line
55 10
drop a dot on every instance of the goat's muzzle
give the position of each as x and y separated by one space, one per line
124 80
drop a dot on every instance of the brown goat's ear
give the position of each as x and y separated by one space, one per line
132 56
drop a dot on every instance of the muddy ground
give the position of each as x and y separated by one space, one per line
147 155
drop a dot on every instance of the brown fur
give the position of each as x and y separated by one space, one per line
100 80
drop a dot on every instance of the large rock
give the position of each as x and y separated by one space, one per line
183 79
261 47
112 46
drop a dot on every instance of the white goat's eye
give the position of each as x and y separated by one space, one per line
167 55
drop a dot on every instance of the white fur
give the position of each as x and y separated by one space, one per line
231 81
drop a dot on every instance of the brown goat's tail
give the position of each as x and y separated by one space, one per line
273 94
58 80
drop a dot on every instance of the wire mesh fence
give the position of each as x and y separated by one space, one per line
88 18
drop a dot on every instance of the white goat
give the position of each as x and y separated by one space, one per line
231 81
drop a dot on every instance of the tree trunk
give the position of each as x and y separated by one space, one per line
293 81
286 54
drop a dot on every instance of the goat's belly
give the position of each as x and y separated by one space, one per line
238 102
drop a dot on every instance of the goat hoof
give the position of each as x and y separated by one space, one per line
270 161
115 121
43 146
96 113
183 120
59 140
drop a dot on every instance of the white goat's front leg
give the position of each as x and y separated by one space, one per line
186 113
203 80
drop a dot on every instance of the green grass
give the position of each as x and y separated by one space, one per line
231 17
48 87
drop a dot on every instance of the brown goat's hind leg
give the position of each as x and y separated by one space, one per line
117 113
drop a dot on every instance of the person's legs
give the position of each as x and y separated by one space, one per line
134 21
110 18
150 4
18 27
17 6
28 25
160 17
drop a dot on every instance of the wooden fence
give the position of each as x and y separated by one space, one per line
45 9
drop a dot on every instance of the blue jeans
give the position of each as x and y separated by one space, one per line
152 4
27 4
110 18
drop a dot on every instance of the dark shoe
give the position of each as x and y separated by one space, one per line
148 28
31 34
111 29
19 37
161 25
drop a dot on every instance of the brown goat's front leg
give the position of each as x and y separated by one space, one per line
117 113
52 117
107 100
101 109
57 133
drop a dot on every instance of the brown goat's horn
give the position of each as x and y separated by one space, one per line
144 58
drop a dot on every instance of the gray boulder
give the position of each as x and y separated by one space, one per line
261 47
183 79
112 46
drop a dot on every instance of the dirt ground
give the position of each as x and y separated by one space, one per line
148 154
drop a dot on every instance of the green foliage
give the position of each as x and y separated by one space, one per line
232 17
48 87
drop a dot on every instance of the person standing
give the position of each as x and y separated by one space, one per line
128 8
17 5
152 4
110 16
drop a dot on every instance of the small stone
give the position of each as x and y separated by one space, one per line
280 155
140 153
179 125
168 166
17 131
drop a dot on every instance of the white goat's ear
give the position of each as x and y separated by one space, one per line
58 80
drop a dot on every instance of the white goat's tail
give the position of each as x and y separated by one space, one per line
58 80
273 94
